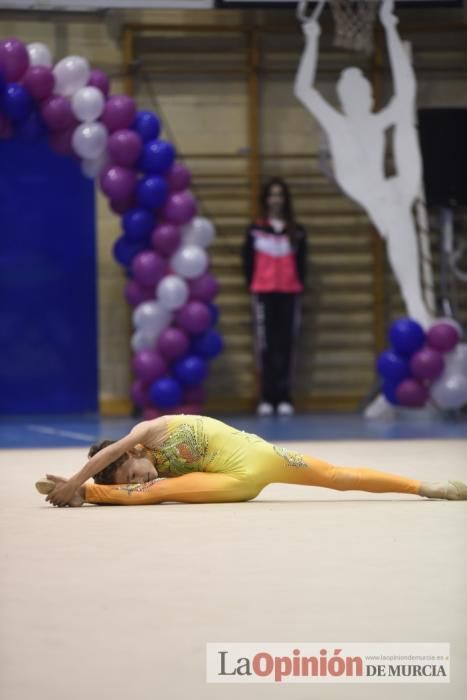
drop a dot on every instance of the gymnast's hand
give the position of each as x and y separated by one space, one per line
65 493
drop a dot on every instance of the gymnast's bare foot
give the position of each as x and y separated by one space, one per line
45 486
451 490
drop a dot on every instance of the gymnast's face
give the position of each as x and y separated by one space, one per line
136 470
276 201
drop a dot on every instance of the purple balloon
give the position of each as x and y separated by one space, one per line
148 268
411 393
149 365
173 343
140 394
61 141
119 112
14 59
39 81
5 127
99 80
57 114
180 207
443 337
178 177
194 317
124 147
135 293
118 182
166 238
204 288
427 364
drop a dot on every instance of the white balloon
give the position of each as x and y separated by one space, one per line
199 231
89 140
87 104
39 54
91 167
141 340
172 292
190 261
150 316
71 74
450 392
456 361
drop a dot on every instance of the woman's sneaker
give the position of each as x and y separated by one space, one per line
265 409
285 409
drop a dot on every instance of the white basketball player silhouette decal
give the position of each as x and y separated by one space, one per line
357 144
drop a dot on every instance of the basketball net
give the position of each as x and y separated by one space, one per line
353 21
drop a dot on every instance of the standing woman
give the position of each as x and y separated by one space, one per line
274 262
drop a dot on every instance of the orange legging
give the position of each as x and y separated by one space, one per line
208 487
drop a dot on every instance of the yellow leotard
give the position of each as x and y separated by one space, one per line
209 461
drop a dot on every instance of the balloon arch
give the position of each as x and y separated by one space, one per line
163 245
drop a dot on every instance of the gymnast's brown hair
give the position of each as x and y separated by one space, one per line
106 476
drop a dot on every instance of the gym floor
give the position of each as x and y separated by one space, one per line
120 602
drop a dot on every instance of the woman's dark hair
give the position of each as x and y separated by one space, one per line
107 475
288 207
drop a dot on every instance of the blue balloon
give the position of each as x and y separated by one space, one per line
215 313
17 102
166 393
406 336
208 345
125 250
2 82
138 224
389 390
152 192
190 370
392 366
157 157
147 125
30 129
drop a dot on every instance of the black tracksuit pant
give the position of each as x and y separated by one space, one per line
276 319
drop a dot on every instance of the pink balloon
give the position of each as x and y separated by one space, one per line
124 147
149 365
427 364
39 81
411 393
204 288
119 112
57 114
148 268
166 238
180 208
61 141
140 394
14 59
117 182
135 293
99 80
194 317
194 394
173 343
443 336
179 177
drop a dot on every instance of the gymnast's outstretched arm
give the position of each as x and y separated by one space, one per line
144 433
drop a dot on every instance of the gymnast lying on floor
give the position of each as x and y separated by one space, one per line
207 461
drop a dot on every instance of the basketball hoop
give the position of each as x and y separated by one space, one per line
353 20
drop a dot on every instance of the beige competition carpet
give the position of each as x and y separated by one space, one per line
119 602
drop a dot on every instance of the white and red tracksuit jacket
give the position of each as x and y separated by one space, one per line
274 261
